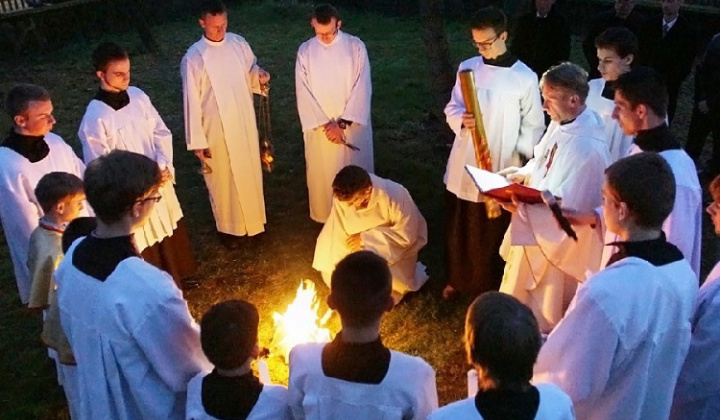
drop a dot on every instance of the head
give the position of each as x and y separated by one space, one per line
112 66
352 185
639 193
229 333
60 195
30 108
78 228
543 6
714 208
326 23
641 100
564 90
502 341
623 8
213 19
671 9
360 289
489 32
616 52
122 186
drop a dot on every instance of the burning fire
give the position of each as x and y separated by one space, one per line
300 323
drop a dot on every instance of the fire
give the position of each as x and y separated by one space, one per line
300 323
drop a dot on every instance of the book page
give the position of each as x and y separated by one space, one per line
486 180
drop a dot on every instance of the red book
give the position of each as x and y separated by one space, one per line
498 187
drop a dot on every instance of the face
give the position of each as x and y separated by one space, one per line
37 120
612 209
630 120
214 26
116 77
489 44
326 33
671 7
71 207
557 103
624 7
611 65
361 199
714 211
543 6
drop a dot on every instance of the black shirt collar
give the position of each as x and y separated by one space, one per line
366 363
230 397
608 91
498 404
115 100
505 60
658 139
657 252
99 257
32 148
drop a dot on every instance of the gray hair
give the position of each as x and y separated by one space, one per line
569 77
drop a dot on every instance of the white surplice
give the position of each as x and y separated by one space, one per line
219 79
697 393
544 265
512 112
134 340
391 226
332 82
407 392
19 209
618 350
554 405
618 142
271 405
138 128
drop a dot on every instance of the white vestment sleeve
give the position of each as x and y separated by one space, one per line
455 108
310 111
682 228
427 402
94 138
254 70
19 209
401 233
162 139
192 104
295 393
532 121
357 108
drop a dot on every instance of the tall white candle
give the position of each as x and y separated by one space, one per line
264 372
472 382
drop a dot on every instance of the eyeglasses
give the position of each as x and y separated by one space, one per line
155 198
486 45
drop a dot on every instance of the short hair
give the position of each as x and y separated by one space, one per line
229 332
619 39
211 7
646 184
349 181
360 287
644 86
20 96
502 336
78 228
714 189
114 182
324 14
106 53
55 187
489 17
569 77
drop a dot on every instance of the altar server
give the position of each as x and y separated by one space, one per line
619 349
378 215
544 264
134 340
333 89
28 152
508 94
122 117
220 75
355 376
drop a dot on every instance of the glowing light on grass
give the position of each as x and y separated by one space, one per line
300 323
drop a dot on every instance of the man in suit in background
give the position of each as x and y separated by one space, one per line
542 38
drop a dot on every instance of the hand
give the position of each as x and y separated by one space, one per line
333 132
165 175
203 154
513 175
354 243
468 121
263 76
703 107
510 206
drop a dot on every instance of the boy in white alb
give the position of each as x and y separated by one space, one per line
355 376
228 333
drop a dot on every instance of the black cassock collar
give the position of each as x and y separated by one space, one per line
366 363
657 252
230 397
498 404
32 148
658 139
115 100
504 60
99 257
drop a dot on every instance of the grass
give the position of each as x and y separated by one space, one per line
409 148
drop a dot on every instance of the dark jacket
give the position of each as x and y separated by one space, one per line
707 75
673 55
542 42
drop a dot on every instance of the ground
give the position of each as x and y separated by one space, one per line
410 147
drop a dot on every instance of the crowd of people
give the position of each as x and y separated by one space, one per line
602 319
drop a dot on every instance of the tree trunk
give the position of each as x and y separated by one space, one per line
438 53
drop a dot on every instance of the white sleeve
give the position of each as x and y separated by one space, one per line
296 394
683 227
94 137
427 402
310 111
456 107
357 108
532 120
162 138
192 105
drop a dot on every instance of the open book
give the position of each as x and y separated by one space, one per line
498 187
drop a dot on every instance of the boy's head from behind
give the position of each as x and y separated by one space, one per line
360 290
228 333
61 196
502 340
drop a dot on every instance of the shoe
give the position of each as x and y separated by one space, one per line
230 242
449 293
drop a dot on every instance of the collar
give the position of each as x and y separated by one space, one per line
657 252
568 121
498 404
230 397
32 148
99 257
52 227
658 139
539 16
335 40
608 91
671 23
505 60
366 363
115 100
214 43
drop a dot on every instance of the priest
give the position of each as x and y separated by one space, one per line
220 75
28 152
333 89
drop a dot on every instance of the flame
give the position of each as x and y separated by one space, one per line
300 323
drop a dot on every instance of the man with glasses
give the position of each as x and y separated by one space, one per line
333 87
509 97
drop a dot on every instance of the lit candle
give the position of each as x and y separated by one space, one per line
264 372
472 382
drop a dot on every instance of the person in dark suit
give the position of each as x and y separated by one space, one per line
670 48
542 38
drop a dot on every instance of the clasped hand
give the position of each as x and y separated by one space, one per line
334 133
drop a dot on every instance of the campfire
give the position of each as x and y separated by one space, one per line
300 323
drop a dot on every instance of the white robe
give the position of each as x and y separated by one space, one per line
219 79
554 405
19 209
137 128
618 142
271 405
391 226
134 340
407 392
333 82
697 393
544 265
618 350
513 117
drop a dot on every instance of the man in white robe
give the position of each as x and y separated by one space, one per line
28 152
134 340
544 264
378 215
618 351
220 75
333 89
